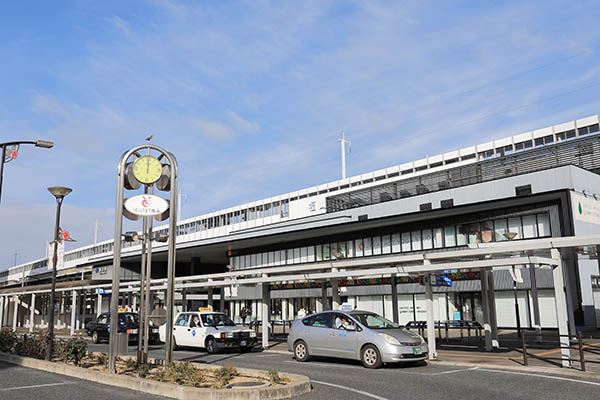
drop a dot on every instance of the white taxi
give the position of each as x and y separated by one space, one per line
210 330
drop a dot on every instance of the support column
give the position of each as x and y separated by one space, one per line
210 298
265 301
335 292
98 305
73 311
2 301
135 307
324 299
32 313
291 311
184 307
492 304
394 299
536 306
16 313
430 321
222 299
561 308
284 309
485 300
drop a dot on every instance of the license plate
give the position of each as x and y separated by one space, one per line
417 351
243 343
134 331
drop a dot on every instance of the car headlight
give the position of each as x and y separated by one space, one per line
390 339
252 334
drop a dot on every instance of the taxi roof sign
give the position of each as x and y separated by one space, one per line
205 309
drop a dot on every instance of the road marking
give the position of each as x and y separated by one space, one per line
541 376
475 355
34 386
326 365
452 371
373 396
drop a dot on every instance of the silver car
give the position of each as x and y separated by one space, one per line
357 335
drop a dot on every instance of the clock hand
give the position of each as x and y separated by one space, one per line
148 166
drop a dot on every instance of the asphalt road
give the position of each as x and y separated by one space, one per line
18 383
335 379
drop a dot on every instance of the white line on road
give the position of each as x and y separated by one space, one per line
373 396
33 386
541 376
452 371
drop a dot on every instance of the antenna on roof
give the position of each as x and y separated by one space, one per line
343 142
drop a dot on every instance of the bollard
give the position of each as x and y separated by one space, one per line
524 349
581 356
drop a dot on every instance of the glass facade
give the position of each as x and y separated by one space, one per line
527 227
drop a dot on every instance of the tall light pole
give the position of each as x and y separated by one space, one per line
38 143
59 192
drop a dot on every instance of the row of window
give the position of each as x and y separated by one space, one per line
526 227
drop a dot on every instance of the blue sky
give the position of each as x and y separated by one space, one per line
249 95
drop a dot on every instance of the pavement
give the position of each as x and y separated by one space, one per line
19 383
346 379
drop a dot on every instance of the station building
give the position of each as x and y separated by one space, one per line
539 184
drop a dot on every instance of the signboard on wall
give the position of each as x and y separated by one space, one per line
60 260
585 209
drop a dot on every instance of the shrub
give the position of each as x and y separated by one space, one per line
224 375
143 370
130 363
102 358
274 377
71 350
8 339
32 345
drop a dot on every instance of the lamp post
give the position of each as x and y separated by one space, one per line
59 192
38 143
510 236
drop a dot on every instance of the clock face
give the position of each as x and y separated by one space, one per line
147 169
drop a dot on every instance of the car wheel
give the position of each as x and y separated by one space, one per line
301 351
370 356
95 338
211 346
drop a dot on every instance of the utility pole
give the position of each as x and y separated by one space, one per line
96 225
343 142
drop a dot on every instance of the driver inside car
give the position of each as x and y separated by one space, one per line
342 323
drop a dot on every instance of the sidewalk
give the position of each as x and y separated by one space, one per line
542 358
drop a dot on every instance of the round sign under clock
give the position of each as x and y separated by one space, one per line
147 169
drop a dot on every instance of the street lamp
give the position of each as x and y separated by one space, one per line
59 192
510 236
38 143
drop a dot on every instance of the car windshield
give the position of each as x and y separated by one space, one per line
128 318
374 321
216 320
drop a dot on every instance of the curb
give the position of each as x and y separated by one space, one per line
570 372
301 384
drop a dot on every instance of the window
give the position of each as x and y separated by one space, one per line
368 246
449 236
319 252
529 227
427 239
406 241
543 225
350 248
376 245
359 248
103 319
438 238
396 243
487 231
318 321
415 239
304 254
311 254
462 236
182 320
297 255
326 252
500 228
386 247
514 225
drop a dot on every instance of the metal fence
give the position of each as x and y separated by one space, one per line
582 152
